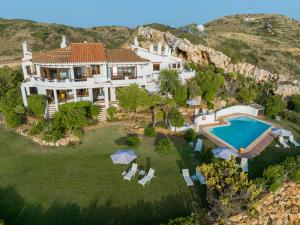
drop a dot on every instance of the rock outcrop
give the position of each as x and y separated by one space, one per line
204 55
281 207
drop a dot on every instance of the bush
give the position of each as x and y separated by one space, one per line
95 110
274 105
133 141
111 111
34 131
275 175
37 104
190 135
291 116
149 131
12 107
164 146
294 103
247 95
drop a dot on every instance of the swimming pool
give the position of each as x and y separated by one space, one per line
240 132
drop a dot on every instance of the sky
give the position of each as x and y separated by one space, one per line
131 13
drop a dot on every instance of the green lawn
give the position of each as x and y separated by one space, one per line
80 185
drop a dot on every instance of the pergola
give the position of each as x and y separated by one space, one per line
260 108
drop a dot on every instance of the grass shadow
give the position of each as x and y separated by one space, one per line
17 211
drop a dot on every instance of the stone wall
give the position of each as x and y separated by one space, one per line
24 131
203 55
279 208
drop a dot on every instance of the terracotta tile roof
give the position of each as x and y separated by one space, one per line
74 53
123 55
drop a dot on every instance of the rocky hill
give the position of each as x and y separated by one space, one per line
281 207
43 36
270 42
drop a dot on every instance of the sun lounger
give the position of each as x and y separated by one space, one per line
283 142
131 173
198 147
293 141
146 179
187 178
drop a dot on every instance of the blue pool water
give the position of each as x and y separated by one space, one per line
241 132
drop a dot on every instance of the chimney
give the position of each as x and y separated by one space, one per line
63 43
26 54
159 48
170 52
151 48
136 42
166 50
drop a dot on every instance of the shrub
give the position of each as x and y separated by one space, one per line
133 141
291 116
95 110
111 111
176 118
275 175
149 131
180 95
274 105
34 131
164 146
247 95
294 103
37 104
190 135
12 108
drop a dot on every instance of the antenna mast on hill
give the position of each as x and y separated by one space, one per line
249 13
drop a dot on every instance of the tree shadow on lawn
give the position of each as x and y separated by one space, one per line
14 210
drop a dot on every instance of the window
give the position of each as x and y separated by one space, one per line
95 69
122 72
174 65
156 67
82 92
64 74
178 65
30 70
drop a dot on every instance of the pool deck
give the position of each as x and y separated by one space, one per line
253 150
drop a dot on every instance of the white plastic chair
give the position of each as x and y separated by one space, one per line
293 141
283 142
131 173
187 178
146 179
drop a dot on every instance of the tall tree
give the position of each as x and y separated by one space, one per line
180 95
168 81
176 119
132 97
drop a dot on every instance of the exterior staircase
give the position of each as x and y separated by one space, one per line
51 110
102 115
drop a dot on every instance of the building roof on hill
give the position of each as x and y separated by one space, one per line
87 53
74 53
123 55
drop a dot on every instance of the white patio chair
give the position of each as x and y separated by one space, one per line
283 142
131 173
146 179
187 178
293 141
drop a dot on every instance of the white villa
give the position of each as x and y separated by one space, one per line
89 72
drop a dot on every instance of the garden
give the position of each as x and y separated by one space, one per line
78 184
